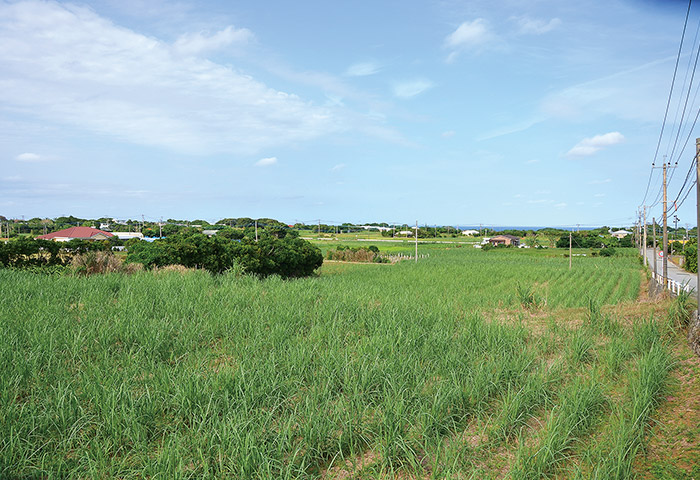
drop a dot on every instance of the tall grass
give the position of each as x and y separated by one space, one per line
580 404
189 375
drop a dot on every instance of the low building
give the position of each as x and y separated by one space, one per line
73 233
620 233
471 233
128 235
506 240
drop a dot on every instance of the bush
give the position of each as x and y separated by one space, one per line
287 256
690 251
607 252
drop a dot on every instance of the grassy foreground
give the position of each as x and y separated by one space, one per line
466 365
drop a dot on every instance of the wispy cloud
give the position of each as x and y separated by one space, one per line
411 88
266 162
51 51
560 205
338 167
509 129
196 43
28 157
589 146
468 36
448 134
600 182
535 26
362 69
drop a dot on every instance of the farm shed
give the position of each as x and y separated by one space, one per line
504 240
82 233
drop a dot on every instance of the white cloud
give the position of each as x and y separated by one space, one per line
66 64
472 36
589 146
448 134
338 167
532 161
28 157
600 182
599 195
412 88
362 69
266 162
195 43
560 205
535 26
469 34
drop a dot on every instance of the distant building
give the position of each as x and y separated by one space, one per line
128 235
504 240
374 227
620 233
209 233
80 233
470 232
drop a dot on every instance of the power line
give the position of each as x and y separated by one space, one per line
670 95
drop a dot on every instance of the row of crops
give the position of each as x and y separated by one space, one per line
364 371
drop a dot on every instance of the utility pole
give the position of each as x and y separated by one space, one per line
654 235
644 248
160 228
569 250
665 239
256 230
697 192
416 235
675 229
319 227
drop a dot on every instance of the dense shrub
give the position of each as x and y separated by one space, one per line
287 256
690 251
31 253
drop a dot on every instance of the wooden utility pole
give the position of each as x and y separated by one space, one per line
569 250
665 257
256 230
416 235
697 192
644 247
653 220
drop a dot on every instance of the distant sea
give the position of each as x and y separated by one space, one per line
501 228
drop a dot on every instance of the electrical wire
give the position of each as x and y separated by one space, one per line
670 95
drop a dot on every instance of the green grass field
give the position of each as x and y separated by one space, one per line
469 364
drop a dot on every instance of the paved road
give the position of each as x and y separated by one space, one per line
674 272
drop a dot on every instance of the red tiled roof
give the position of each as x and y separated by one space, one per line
75 232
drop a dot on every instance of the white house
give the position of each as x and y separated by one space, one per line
470 232
620 233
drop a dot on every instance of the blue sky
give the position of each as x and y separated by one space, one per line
446 112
